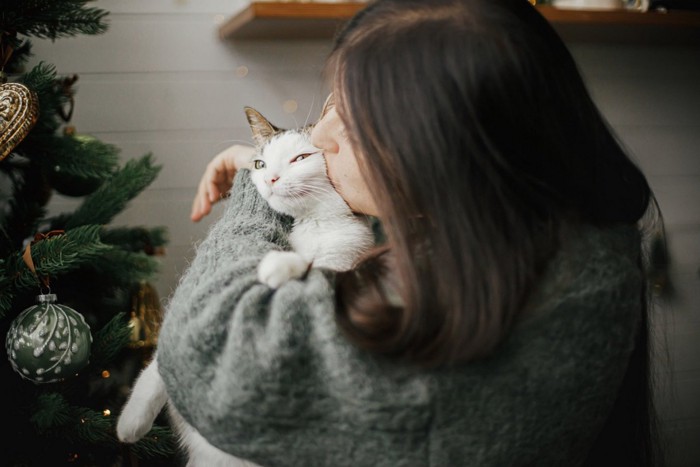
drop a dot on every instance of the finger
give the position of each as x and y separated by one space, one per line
202 209
196 213
198 207
213 192
202 206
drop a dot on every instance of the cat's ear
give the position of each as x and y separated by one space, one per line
330 102
262 129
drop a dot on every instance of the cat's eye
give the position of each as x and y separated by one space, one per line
259 164
301 157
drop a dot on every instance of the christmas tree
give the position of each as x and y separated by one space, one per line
77 312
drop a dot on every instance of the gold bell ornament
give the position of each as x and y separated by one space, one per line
146 317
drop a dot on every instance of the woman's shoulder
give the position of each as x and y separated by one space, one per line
591 263
553 380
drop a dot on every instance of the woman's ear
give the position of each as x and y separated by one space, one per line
330 102
262 129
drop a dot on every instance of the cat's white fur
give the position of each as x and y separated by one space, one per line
325 234
292 178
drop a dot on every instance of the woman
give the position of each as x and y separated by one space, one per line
503 322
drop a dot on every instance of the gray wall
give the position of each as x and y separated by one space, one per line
161 81
651 97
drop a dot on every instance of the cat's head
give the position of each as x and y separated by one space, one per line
288 171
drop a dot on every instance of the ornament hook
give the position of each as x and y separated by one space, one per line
29 261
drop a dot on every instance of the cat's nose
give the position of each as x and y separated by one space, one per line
272 180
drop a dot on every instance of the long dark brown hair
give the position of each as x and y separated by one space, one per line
478 139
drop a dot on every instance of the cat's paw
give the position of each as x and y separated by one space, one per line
278 267
134 422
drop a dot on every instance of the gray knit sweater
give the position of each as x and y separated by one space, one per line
267 376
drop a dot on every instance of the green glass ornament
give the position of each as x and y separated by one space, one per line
48 342
71 184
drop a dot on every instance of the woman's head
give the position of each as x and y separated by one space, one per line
440 93
330 136
476 138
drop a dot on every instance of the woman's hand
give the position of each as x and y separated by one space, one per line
218 178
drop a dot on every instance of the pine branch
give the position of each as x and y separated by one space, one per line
42 81
77 156
51 19
26 207
110 340
20 56
6 295
125 268
158 442
52 414
55 256
6 292
94 427
41 78
49 411
113 196
64 253
136 239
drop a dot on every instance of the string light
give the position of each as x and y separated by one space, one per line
290 106
106 412
106 374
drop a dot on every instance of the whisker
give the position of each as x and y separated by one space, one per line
297 190
318 196
311 107
310 188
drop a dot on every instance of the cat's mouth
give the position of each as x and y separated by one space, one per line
290 193
283 193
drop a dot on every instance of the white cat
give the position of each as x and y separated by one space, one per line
290 174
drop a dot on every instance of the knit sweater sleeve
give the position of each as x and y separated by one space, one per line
219 334
259 372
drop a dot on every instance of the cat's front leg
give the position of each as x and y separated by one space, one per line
278 267
148 396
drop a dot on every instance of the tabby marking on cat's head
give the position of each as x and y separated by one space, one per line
288 171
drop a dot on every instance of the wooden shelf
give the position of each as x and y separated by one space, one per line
316 20
288 20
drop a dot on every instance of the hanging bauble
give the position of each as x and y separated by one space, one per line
19 110
146 316
48 342
70 184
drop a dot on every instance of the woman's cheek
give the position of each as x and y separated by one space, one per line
338 177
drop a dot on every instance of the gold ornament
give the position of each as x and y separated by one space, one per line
146 317
19 111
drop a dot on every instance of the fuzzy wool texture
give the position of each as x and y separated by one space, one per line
267 376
